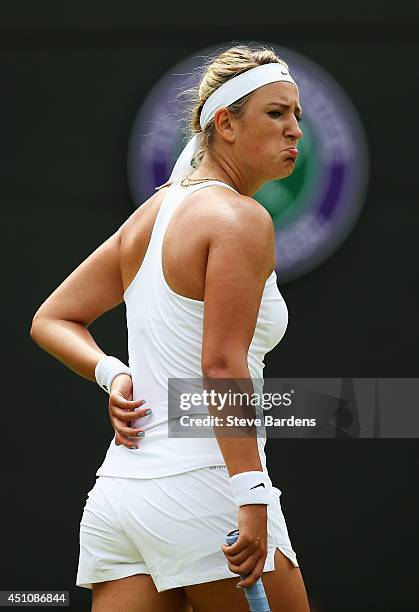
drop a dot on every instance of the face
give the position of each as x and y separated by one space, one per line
268 132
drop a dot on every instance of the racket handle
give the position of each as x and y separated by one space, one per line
255 594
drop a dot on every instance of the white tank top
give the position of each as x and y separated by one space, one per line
164 341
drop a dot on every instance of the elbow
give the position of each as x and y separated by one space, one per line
225 367
214 369
35 327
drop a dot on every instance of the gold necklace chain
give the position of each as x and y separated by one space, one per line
188 181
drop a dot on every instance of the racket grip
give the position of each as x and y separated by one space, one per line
255 594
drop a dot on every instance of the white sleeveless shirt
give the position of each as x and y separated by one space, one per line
164 341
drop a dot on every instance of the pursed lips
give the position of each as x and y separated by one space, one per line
293 151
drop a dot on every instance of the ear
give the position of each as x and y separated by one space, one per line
224 125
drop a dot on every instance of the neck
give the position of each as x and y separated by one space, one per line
221 170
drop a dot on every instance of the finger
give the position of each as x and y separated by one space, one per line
246 566
239 557
117 399
126 432
121 441
254 575
244 549
240 544
130 432
127 415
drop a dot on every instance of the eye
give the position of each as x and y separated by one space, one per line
298 118
274 114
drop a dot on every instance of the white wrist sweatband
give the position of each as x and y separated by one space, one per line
107 368
251 488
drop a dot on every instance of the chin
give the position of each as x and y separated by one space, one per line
284 173
289 169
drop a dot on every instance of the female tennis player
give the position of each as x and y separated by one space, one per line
195 266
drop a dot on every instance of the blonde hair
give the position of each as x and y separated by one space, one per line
218 70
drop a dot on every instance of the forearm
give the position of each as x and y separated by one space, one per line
69 342
241 453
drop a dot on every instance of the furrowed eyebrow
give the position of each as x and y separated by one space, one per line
298 109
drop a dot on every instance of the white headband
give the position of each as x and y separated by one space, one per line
226 94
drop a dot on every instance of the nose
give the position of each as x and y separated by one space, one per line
293 129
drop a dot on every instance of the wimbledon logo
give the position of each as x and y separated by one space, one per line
315 208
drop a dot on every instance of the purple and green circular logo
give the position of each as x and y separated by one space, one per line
315 208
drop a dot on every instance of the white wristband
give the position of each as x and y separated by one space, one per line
107 368
251 488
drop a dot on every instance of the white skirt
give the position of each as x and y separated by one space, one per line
170 527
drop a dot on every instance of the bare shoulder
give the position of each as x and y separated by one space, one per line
225 210
236 227
148 209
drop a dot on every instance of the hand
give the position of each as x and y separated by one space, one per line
121 411
247 555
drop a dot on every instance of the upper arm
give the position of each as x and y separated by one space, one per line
92 289
241 256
